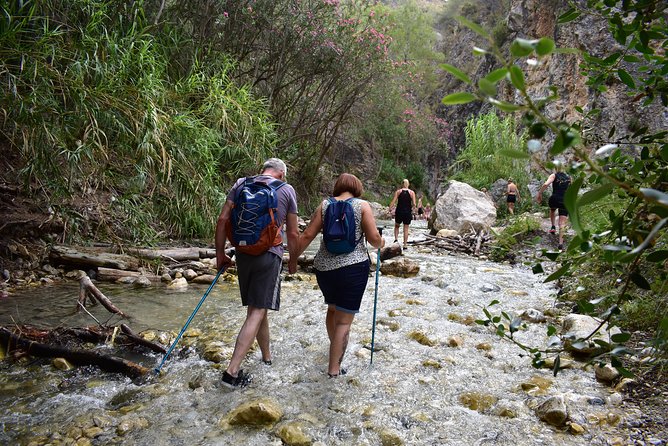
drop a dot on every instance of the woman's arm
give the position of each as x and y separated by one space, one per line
311 231
369 227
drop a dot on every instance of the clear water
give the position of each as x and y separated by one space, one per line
412 391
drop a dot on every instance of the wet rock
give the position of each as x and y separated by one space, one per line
189 274
422 338
490 288
484 346
553 411
533 315
178 283
576 429
50 269
624 384
537 385
204 279
391 324
75 274
477 401
615 399
580 326
165 278
292 434
390 437
455 341
6 275
62 364
258 412
446 233
142 282
127 280
131 424
606 373
564 363
402 267
92 432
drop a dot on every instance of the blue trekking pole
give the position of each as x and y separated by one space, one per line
201 301
375 300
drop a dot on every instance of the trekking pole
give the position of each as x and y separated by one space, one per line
375 300
201 301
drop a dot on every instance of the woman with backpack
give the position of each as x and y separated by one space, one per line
560 182
342 267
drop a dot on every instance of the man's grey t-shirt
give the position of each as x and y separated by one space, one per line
287 203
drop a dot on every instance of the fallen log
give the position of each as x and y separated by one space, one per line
112 275
86 288
141 341
82 258
78 357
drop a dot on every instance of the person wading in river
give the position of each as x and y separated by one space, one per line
403 214
259 275
342 278
560 182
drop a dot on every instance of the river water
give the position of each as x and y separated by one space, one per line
412 394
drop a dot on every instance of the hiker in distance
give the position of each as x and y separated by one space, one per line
342 263
403 214
512 195
560 182
258 262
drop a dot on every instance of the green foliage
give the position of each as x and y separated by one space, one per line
518 229
630 165
90 104
483 159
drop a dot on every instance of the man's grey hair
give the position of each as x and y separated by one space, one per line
275 164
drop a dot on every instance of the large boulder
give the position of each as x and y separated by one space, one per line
460 207
380 212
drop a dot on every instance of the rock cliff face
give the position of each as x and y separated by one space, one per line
534 19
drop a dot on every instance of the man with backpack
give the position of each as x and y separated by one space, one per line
403 214
560 182
252 219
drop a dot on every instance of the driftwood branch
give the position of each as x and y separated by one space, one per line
78 357
141 341
470 243
86 288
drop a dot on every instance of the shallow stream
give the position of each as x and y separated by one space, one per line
413 394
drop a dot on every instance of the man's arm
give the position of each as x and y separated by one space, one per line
394 199
221 235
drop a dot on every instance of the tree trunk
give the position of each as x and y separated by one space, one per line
78 357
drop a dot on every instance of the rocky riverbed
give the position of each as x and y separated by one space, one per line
437 376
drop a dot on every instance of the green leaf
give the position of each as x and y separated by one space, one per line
658 256
504 106
473 26
595 194
653 233
558 273
626 78
517 77
522 47
488 88
512 153
456 72
496 75
458 98
551 330
538 268
620 337
640 281
544 46
568 16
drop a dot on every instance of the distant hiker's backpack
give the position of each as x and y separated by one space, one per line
252 228
562 179
338 228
